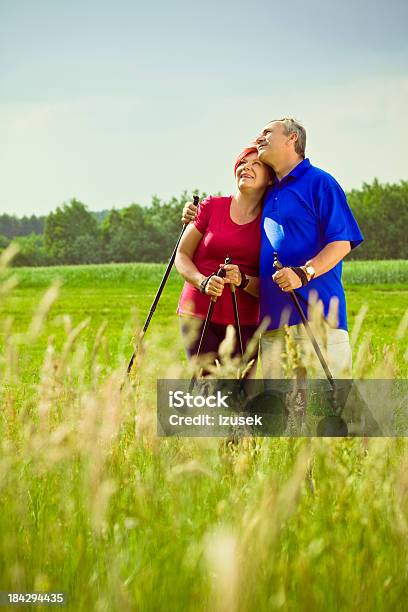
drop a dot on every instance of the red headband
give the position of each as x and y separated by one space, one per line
243 154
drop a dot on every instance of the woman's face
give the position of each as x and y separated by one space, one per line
252 173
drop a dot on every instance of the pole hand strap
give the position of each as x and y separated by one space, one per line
301 274
244 280
205 282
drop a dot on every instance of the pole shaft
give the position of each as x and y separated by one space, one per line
228 260
237 321
313 339
205 328
159 292
306 324
206 325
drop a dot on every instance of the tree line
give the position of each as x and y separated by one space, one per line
71 234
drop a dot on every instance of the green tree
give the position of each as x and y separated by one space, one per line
11 226
139 233
31 251
71 235
111 236
4 242
381 211
166 218
129 235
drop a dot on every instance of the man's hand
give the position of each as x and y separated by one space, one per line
215 286
189 213
287 279
232 274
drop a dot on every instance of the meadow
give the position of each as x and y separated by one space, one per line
95 505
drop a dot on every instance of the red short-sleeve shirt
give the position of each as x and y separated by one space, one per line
222 238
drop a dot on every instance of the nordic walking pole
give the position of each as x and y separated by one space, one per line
279 266
228 260
159 291
221 274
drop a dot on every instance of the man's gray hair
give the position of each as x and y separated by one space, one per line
294 127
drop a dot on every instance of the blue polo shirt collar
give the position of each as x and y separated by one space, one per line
295 173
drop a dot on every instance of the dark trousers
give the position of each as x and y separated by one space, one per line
215 335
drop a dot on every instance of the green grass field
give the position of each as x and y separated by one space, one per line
121 295
92 503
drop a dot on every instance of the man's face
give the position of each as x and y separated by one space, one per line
273 143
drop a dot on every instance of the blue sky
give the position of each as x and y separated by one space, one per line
114 102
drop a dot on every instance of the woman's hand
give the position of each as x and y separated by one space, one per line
215 286
189 213
233 274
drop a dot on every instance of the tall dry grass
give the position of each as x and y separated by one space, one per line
93 503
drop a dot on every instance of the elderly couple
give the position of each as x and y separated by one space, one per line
283 204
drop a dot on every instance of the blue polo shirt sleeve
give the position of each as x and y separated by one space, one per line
336 219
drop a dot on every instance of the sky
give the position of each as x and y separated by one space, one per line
114 102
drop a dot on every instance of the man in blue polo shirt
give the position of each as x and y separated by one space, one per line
306 219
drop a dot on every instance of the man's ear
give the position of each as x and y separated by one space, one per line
293 137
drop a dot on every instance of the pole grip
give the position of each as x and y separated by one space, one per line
221 273
196 201
228 260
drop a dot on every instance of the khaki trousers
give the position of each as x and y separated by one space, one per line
295 346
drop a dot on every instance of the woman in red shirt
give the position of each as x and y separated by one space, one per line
224 226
